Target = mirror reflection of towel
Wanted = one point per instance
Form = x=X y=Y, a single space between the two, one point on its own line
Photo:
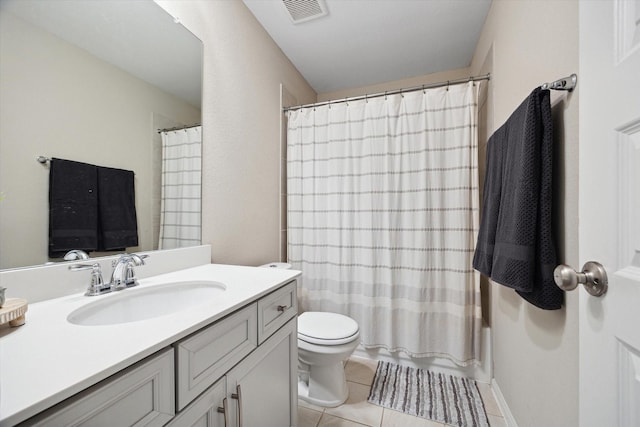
x=90 y=208
x=73 y=207
x=118 y=227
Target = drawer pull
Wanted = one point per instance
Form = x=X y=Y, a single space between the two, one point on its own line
x=238 y=396
x=282 y=308
x=224 y=410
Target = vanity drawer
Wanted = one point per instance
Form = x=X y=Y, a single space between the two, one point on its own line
x=142 y=395
x=275 y=309
x=204 y=357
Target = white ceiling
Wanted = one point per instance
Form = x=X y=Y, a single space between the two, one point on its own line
x=137 y=36
x=363 y=42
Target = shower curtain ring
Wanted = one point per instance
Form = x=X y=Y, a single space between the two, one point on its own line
x=424 y=92
x=447 y=84
x=385 y=95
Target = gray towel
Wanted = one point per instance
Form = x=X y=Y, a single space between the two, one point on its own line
x=515 y=243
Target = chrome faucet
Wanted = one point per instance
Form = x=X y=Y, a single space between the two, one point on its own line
x=123 y=275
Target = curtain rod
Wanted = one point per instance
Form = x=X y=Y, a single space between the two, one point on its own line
x=393 y=92
x=177 y=128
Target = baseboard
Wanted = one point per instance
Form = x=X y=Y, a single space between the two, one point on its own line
x=504 y=408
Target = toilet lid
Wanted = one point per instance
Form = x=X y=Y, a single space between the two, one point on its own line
x=326 y=328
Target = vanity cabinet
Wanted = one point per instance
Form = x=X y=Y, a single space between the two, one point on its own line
x=240 y=371
x=261 y=390
x=142 y=394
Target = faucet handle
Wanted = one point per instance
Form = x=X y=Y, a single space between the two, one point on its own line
x=130 y=275
x=138 y=259
x=97 y=285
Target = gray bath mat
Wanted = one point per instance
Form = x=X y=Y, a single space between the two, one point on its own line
x=439 y=397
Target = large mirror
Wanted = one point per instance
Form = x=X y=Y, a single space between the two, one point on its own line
x=89 y=81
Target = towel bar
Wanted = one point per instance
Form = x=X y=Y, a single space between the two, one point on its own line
x=565 y=83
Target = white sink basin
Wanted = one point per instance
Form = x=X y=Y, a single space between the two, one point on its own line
x=132 y=305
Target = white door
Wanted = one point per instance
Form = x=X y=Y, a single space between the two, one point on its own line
x=609 y=145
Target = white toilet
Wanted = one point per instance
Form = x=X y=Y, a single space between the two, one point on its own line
x=325 y=341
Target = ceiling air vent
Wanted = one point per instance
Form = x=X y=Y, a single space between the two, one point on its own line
x=305 y=10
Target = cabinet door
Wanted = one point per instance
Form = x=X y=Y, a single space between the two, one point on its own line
x=203 y=412
x=141 y=395
x=263 y=387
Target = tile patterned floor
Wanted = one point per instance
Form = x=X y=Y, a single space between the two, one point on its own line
x=357 y=412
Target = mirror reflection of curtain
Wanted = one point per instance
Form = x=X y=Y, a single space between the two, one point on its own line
x=180 y=211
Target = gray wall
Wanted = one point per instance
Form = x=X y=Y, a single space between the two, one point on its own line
x=524 y=44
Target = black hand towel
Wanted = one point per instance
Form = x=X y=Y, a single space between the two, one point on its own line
x=73 y=207
x=515 y=244
x=117 y=210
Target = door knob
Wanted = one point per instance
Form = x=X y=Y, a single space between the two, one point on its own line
x=593 y=276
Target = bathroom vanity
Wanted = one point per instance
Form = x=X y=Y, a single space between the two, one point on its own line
x=227 y=360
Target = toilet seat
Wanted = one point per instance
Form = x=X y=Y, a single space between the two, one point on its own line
x=328 y=329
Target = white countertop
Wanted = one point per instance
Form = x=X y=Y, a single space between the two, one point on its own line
x=49 y=359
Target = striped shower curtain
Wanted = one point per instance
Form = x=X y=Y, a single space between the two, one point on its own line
x=180 y=209
x=382 y=200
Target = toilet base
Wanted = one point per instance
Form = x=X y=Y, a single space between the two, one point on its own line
x=323 y=385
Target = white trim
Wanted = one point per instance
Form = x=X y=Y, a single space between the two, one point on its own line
x=502 y=403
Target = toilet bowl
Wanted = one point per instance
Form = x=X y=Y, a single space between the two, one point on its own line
x=325 y=341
